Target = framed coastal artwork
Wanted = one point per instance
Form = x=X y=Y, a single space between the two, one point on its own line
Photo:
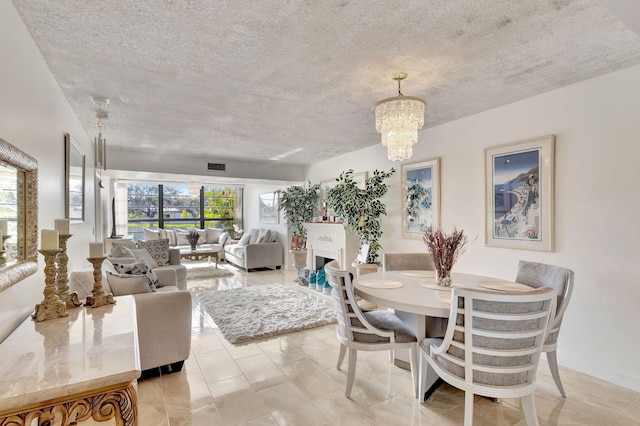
x=519 y=195
x=269 y=207
x=420 y=198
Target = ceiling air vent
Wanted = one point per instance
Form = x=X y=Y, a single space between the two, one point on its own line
x=219 y=167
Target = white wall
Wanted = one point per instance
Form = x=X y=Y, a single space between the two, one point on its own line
x=34 y=117
x=597 y=128
x=252 y=218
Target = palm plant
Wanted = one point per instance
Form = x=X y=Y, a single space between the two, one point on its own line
x=360 y=208
x=298 y=204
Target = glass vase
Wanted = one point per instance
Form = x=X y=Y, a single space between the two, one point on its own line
x=443 y=277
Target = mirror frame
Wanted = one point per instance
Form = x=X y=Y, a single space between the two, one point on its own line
x=70 y=144
x=27 y=216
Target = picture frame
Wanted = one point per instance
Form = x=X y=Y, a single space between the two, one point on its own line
x=360 y=179
x=420 y=198
x=519 y=195
x=268 y=207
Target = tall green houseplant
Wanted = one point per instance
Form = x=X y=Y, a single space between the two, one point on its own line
x=360 y=208
x=298 y=204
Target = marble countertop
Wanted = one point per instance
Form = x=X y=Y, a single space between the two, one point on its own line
x=92 y=348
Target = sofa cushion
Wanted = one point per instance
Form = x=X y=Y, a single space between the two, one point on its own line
x=168 y=288
x=223 y=238
x=117 y=248
x=158 y=249
x=181 y=238
x=246 y=238
x=122 y=285
x=151 y=234
x=213 y=235
x=254 y=236
x=236 y=250
x=171 y=235
x=264 y=236
x=143 y=255
x=140 y=268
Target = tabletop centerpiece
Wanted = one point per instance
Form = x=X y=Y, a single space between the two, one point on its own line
x=193 y=238
x=445 y=249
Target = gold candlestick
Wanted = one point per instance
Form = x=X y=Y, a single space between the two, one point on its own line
x=70 y=299
x=99 y=298
x=51 y=307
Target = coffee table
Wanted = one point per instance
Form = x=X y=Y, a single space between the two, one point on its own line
x=201 y=253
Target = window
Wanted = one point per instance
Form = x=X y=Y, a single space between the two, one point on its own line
x=179 y=206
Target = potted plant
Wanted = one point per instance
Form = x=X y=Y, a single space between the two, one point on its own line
x=298 y=204
x=361 y=209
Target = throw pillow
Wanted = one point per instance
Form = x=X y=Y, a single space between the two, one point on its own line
x=128 y=284
x=118 y=248
x=213 y=235
x=171 y=235
x=264 y=236
x=151 y=234
x=202 y=233
x=254 y=236
x=246 y=238
x=162 y=233
x=140 y=268
x=158 y=249
x=223 y=238
x=143 y=255
x=181 y=238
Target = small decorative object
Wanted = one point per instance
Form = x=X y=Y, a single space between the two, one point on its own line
x=519 y=195
x=62 y=279
x=99 y=297
x=51 y=307
x=361 y=208
x=445 y=250
x=193 y=238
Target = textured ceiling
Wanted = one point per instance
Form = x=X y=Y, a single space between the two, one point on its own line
x=256 y=80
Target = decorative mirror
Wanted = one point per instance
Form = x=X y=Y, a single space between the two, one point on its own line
x=19 y=212
x=74 y=182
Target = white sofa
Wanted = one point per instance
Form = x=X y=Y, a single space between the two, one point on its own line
x=256 y=249
x=210 y=238
x=164 y=316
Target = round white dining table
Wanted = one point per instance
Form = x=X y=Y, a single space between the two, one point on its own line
x=417 y=300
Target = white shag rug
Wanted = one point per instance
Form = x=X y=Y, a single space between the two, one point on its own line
x=255 y=313
x=205 y=272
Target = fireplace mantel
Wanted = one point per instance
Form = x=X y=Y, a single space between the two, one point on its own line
x=331 y=240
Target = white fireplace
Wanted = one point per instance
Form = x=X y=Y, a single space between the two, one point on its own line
x=331 y=241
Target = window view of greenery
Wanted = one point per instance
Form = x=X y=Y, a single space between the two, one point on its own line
x=182 y=207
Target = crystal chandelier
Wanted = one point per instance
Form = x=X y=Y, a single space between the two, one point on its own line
x=398 y=119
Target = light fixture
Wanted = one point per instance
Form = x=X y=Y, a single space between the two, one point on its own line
x=398 y=119
x=100 y=141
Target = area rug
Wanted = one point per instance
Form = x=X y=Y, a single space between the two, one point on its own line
x=206 y=272
x=247 y=314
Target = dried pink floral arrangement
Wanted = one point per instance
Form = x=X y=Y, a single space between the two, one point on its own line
x=445 y=250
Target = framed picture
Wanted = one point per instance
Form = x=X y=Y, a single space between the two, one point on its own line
x=269 y=208
x=420 y=198
x=519 y=195
x=325 y=185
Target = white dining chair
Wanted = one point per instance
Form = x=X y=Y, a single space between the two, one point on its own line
x=492 y=346
x=366 y=331
x=561 y=279
x=407 y=261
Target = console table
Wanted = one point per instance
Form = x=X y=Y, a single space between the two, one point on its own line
x=71 y=369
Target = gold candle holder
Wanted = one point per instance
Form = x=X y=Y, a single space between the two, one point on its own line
x=99 y=298
x=70 y=299
x=51 y=307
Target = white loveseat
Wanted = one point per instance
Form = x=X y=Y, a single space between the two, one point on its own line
x=258 y=248
x=164 y=315
x=210 y=238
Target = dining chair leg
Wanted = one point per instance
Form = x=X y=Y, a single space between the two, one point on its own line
x=353 y=357
x=392 y=355
x=343 y=352
x=427 y=375
x=529 y=409
x=552 y=360
x=468 y=408
x=413 y=360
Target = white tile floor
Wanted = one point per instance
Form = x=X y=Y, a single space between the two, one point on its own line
x=292 y=380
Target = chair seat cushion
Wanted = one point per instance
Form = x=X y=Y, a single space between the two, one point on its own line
x=388 y=321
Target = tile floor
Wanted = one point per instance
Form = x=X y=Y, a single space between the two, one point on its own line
x=292 y=380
